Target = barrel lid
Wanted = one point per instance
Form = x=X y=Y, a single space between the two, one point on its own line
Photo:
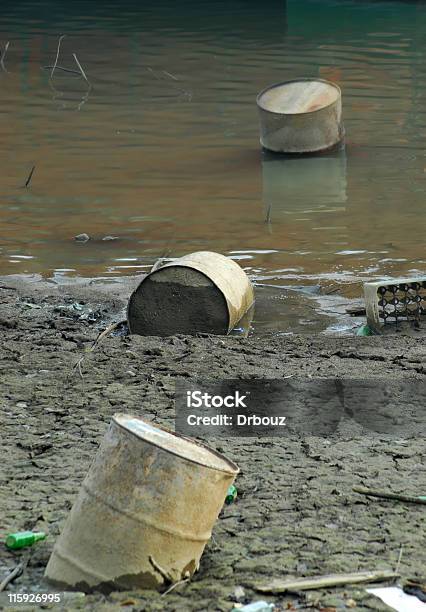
x=299 y=96
x=174 y=443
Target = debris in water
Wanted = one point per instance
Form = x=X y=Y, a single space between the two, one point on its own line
x=107 y=238
x=57 y=55
x=82 y=237
x=3 y=55
x=30 y=176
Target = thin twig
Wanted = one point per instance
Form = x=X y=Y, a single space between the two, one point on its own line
x=11 y=576
x=6 y=47
x=172 y=76
x=15 y=573
x=100 y=337
x=268 y=213
x=30 y=176
x=321 y=582
x=81 y=70
x=78 y=364
x=412 y=499
x=61 y=68
x=151 y=70
x=399 y=559
x=57 y=54
x=158 y=263
x=174 y=586
x=159 y=569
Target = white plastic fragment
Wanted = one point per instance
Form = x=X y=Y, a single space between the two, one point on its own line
x=255 y=606
x=396 y=599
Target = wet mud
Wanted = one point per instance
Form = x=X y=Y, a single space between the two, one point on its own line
x=295 y=514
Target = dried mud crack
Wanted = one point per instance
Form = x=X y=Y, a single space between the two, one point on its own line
x=296 y=514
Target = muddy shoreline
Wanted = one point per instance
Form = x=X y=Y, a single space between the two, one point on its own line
x=296 y=514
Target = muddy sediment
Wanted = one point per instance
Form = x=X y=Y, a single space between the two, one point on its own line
x=295 y=515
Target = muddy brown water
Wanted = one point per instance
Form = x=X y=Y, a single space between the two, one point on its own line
x=162 y=152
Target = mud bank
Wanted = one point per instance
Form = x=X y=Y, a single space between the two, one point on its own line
x=296 y=514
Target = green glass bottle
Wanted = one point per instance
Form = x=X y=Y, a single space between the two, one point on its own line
x=23 y=538
x=231 y=495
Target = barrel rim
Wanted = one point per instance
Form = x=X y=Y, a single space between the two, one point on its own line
x=312 y=79
x=233 y=471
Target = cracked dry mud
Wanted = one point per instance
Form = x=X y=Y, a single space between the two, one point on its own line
x=295 y=515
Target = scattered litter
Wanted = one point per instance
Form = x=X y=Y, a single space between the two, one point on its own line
x=394 y=301
x=364 y=330
x=231 y=495
x=412 y=499
x=107 y=238
x=82 y=237
x=21 y=539
x=320 y=582
x=398 y=600
x=256 y=606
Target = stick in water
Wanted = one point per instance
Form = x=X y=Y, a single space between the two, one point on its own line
x=57 y=54
x=62 y=68
x=6 y=47
x=81 y=70
x=28 y=181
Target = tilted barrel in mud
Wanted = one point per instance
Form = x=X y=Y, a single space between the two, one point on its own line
x=300 y=116
x=202 y=292
x=144 y=512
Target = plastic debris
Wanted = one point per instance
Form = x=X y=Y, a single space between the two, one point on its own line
x=255 y=606
x=231 y=495
x=21 y=539
x=364 y=330
x=82 y=237
x=395 y=598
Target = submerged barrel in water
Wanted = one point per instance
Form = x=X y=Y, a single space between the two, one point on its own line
x=300 y=116
x=144 y=512
x=200 y=293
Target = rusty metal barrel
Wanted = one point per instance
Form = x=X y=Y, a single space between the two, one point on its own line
x=300 y=116
x=201 y=292
x=144 y=512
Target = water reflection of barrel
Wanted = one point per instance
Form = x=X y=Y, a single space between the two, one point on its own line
x=293 y=184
